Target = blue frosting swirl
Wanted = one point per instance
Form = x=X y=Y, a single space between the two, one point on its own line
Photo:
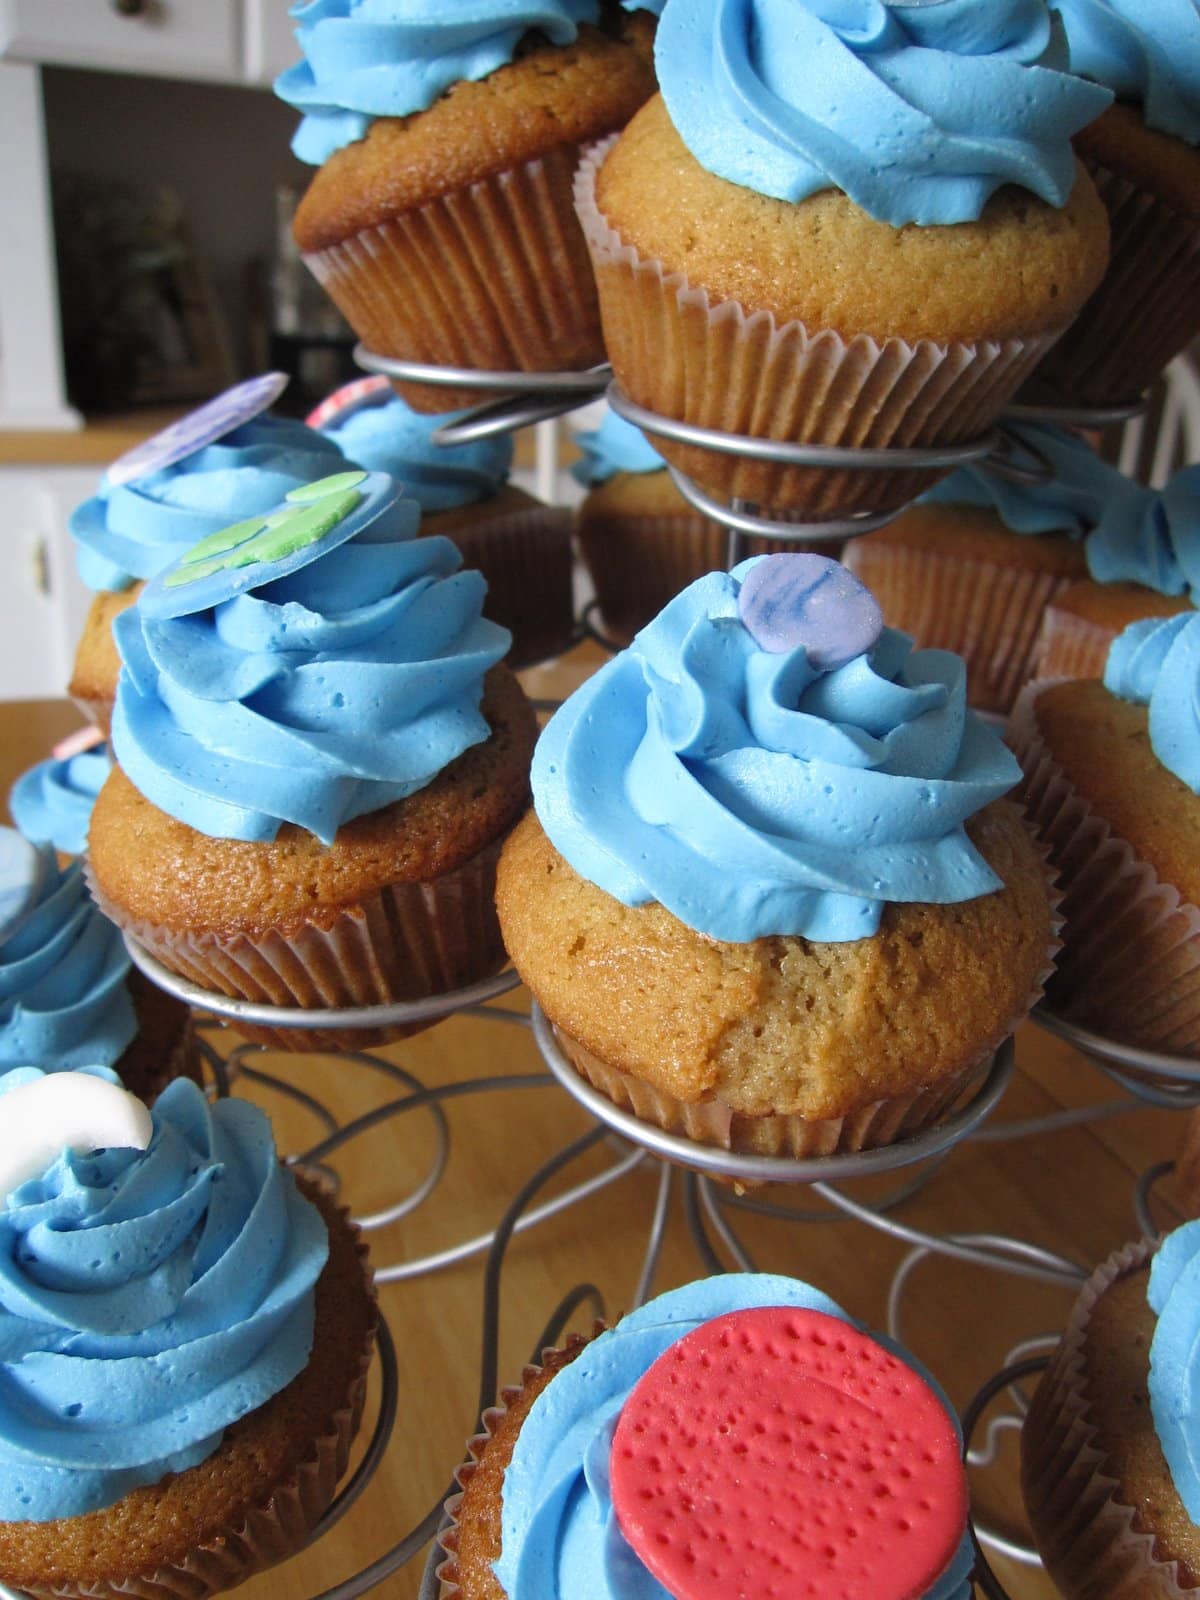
x=918 y=112
x=52 y=802
x=615 y=446
x=1174 y=1294
x=1149 y=537
x=148 y=1299
x=64 y=1002
x=365 y=59
x=1082 y=493
x=559 y=1534
x=313 y=699
x=1143 y=50
x=384 y=434
x=1156 y=663
x=751 y=794
x=134 y=530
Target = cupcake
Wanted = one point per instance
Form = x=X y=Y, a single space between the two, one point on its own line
x=1108 y=1452
x=974 y=564
x=440 y=220
x=1144 y=561
x=741 y=1435
x=134 y=526
x=52 y=802
x=522 y=547
x=185 y=1329
x=319 y=756
x=830 y=256
x=1112 y=783
x=1144 y=156
x=70 y=998
x=770 y=898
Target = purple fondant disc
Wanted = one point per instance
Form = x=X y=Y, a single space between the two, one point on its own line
x=199 y=428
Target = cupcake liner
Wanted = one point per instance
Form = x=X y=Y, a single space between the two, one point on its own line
x=717 y=366
x=1086 y=1535
x=986 y=612
x=494 y=276
x=270 y=1532
x=1147 y=308
x=1130 y=964
x=526 y=558
x=1071 y=647
x=406 y=941
x=98 y=711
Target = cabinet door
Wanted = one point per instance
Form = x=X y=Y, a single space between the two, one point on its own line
x=270 y=40
x=44 y=602
x=172 y=38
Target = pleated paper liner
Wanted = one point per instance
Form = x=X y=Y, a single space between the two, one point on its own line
x=164 y=1047
x=514 y=1404
x=407 y=941
x=281 y=1525
x=494 y=276
x=1071 y=647
x=1130 y=963
x=988 y=613
x=718 y=366
x=1088 y=1537
x=1147 y=308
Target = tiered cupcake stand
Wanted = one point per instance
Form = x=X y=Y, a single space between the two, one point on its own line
x=715 y=1189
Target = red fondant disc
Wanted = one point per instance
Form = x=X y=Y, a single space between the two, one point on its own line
x=782 y=1454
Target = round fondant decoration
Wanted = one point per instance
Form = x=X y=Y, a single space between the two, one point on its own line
x=787 y=601
x=783 y=1454
x=312 y=520
x=22 y=868
x=65 y=1111
x=202 y=427
x=350 y=397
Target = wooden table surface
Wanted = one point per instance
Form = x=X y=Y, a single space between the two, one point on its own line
x=1069 y=1191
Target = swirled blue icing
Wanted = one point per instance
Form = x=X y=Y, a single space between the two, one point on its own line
x=1156 y=663
x=1174 y=1295
x=1151 y=537
x=615 y=446
x=751 y=794
x=313 y=699
x=148 y=1299
x=1081 y=493
x=1143 y=50
x=386 y=435
x=918 y=112
x=559 y=1536
x=52 y=802
x=365 y=59
x=134 y=530
x=64 y=1002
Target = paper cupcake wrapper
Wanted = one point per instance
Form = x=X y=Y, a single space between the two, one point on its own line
x=1085 y=1533
x=494 y=276
x=1130 y=964
x=407 y=941
x=1071 y=647
x=986 y=612
x=527 y=560
x=98 y=711
x=1147 y=308
x=182 y=1060
x=718 y=366
x=270 y=1532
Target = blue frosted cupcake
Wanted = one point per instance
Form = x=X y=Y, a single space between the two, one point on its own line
x=52 y=802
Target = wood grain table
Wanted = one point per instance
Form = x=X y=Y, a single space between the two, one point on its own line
x=1070 y=1192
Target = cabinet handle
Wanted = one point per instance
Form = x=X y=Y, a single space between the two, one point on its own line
x=128 y=8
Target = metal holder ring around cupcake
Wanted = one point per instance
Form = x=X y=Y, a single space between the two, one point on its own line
x=1160 y=1079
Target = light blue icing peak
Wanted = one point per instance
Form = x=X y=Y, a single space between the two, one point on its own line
x=615 y=446
x=1174 y=1294
x=386 y=435
x=1156 y=663
x=148 y=1299
x=918 y=112
x=52 y=802
x=1151 y=538
x=751 y=794
x=365 y=59
x=134 y=530
x=64 y=1002
x=559 y=1534
x=1147 y=51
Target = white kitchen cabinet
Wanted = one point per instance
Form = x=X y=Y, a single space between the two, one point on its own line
x=44 y=601
x=168 y=38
